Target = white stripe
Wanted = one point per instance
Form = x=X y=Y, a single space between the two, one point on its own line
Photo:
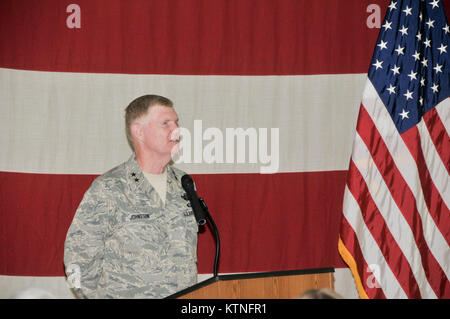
x=40 y=287
x=408 y=168
x=433 y=161
x=22 y=287
x=371 y=251
x=344 y=284
x=443 y=110
x=13 y=286
x=73 y=123
x=392 y=215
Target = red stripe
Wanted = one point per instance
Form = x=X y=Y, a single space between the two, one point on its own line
x=436 y=206
x=350 y=241
x=190 y=36
x=439 y=136
x=35 y=214
x=266 y=222
x=375 y=222
x=403 y=197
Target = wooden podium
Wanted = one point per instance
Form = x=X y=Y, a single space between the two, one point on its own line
x=266 y=285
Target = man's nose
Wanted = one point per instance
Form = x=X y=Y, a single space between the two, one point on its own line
x=175 y=134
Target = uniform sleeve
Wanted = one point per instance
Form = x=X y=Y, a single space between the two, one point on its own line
x=85 y=242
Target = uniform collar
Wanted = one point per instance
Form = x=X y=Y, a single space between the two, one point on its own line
x=137 y=180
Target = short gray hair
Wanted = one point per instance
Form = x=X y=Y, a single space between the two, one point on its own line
x=139 y=107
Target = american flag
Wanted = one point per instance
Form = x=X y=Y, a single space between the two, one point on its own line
x=395 y=231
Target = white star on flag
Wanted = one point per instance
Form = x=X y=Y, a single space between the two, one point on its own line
x=393 y=6
x=404 y=114
x=407 y=11
x=378 y=64
x=442 y=48
x=446 y=29
x=424 y=63
x=412 y=75
x=391 y=89
x=408 y=95
x=435 y=88
x=434 y=4
x=438 y=68
x=404 y=31
x=399 y=50
x=387 y=25
x=396 y=70
x=382 y=45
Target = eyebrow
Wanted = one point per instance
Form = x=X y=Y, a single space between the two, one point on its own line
x=169 y=120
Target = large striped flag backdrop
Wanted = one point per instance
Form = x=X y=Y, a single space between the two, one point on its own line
x=395 y=234
x=288 y=73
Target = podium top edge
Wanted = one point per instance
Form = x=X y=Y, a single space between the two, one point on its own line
x=275 y=273
x=253 y=275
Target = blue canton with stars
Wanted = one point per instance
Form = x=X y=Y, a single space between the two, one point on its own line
x=410 y=65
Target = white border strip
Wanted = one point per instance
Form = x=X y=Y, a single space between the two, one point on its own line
x=72 y=123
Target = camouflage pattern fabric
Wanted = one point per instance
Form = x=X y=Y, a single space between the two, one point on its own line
x=126 y=243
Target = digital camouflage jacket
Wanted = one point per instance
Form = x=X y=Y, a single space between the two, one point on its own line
x=125 y=243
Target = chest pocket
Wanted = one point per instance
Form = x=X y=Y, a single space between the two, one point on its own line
x=140 y=234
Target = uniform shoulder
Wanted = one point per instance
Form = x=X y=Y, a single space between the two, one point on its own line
x=109 y=179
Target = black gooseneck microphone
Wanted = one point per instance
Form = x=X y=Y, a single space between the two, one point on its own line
x=201 y=213
x=188 y=186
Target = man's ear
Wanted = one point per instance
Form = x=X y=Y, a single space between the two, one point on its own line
x=136 y=131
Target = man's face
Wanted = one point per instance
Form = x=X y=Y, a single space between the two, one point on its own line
x=158 y=131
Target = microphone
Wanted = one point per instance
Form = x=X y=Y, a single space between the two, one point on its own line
x=201 y=213
x=188 y=186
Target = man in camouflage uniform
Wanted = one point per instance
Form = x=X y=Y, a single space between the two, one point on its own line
x=128 y=240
